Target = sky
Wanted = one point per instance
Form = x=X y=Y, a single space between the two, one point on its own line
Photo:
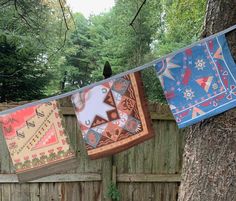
x=88 y=7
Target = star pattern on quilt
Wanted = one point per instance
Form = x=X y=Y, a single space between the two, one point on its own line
x=167 y=68
x=200 y=64
x=201 y=83
x=117 y=118
x=215 y=86
x=189 y=94
x=105 y=117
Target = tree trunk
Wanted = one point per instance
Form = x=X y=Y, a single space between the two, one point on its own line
x=209 y=169
x=63 y=82
x=2 y=91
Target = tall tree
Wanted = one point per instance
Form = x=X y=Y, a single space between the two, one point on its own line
x=78 y=69
x=22 y=74
x=109 y=37
x=209 y=168
x=32 y=35
x=180 y=23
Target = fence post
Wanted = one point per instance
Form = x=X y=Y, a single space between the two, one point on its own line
x=107 y=162
x=114 y=176
x=106 y=177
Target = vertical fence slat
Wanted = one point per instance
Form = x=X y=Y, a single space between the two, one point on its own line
x=162 y=154
x=34 y=192
x=6 y=192
x=4 y=154
x=106 y=177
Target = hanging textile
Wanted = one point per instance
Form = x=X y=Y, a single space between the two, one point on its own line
x=37 y=141
x=199 y=82
x=113 y=116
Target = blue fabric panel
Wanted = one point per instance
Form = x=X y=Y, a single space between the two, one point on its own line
x=199 y=82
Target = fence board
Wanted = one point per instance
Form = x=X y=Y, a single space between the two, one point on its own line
x=16 y=189
x=4 y=155
x=44 y=191
x=24 y=193
x=6 y=192
x=148 y=178
x=34 y=192
x=12 y=178
x=147 y=172
x=148 y=191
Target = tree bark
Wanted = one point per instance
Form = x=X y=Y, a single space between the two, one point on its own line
x=209 y=167
x=2 y=91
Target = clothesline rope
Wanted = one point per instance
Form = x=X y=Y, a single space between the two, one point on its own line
x=147 y=65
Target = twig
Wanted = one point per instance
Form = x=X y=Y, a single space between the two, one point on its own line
x=22 y=16
x=27 y=14
x=16 y=4
x=63 y=13
x=58 y=49
x=71 y=15
x=65 y=35
x=4 y=3
x=131 y=23
x=133 y=28
x=17 y=71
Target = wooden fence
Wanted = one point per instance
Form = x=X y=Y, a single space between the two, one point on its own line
x=147 y=172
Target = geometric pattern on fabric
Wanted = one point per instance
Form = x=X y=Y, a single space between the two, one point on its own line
x=199 y=82
x=113 y=116
x=49 y=138
x=36 y=139
x=205 y=82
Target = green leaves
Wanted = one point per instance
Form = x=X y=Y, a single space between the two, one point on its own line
x=113 y=192
x=38 y=57
x=29 y=35
x=182 y=22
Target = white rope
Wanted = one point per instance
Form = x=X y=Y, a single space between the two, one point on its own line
x=147 y=65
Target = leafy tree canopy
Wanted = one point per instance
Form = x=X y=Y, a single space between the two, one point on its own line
x=44 y=50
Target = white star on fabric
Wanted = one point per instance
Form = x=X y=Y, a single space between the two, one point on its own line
x=179 y=89
x=200 y=64
x=189 y=94
x=167 y=72
x=94 y=105
x=215 y=86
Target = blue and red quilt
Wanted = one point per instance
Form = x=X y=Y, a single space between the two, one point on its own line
x=199 y=82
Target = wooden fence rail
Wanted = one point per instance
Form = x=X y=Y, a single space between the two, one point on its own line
x=88 y=177
x=147 y=172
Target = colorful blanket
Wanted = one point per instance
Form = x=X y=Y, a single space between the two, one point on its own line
x=37 y=141
x=113 y=116
x=199 y=82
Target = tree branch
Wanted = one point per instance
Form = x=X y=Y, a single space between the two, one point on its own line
x=5 y=4
x=136 y=15
x=63 y=13
x=22 y=16
x=27 y=13
x=71 y=15
x=18 y=6
x=17 y=71
x=60 y=48
x=65 y=34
